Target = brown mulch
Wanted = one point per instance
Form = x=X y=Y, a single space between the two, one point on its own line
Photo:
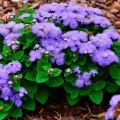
x=61 y=110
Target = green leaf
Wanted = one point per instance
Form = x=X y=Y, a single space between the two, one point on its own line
x=17 y=55
x=72 y=101
x=70 y=78
x=98 y=85
x=68 y=87
x=116 y=47
x=31 y=88
x=75 y=93
x=112 y=87
x=117 y=81
x=16 y=85
x=56 y=72
x=96 y=96
x=1 y=43
x=41 y=79
x=55 y=82
x=42 y=63
x=46 y=68
x=15 y=112
x=30 y=75
x=75 y=57
x=43 y=73
x=42 y=95
x=1 y=103
x=6 y=50
x=85 y=91
x=81 y=60
x=115 y=71
x=7 y=106
x=29 y=104
x=3 y=115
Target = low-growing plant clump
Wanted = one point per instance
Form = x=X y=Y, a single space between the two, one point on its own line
x=59 y=45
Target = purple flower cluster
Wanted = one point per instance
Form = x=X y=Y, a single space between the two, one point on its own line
x=71 y=15
x=104 y=57
x=10 y=33
x=84 y=79
x=6 y=90
x=115 y=100
x=24 y=15
x=52 y=40
x=36 y=53
x=46 y=30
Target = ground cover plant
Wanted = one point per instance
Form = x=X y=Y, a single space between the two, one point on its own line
x=59 y=46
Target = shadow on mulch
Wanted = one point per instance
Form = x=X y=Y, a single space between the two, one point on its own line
x=60 y=110
x=57 y=108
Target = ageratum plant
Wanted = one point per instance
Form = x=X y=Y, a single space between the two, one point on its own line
x=57 y=46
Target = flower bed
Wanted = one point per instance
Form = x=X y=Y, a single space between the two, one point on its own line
x=57 y=46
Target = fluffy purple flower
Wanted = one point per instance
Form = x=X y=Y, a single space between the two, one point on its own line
x=100 y=20
x=112 y=33
x=115 y=100
x=79 y=82
x=91 y=10
x=24 y=15
x=93 y=72
x=17 y=27
x=118 y=117
x=86 y=48
x=13 y=67
x=70 y=19
x=18 y=102
x=101 y=41
x=104 y=57
x=73 y=39
x=109 y=114
x=77 y=70
x=59 y=58
x=3 y=31
x=25 y=1
x=113 y=103
x=36 y=54
x=22 y=92
x=7 y=92
x=11 y=39
x=3 y=74
x=16 y=99
x=76 y=36
x=85 y=78
x=70 y=15
x=10 y=25
x=46 y=30
x=1 y=57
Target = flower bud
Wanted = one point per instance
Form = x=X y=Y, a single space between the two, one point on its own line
x=1 y=108
x=16 y=77
x=50 y=71
x=47 y=53
x=69 y=71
